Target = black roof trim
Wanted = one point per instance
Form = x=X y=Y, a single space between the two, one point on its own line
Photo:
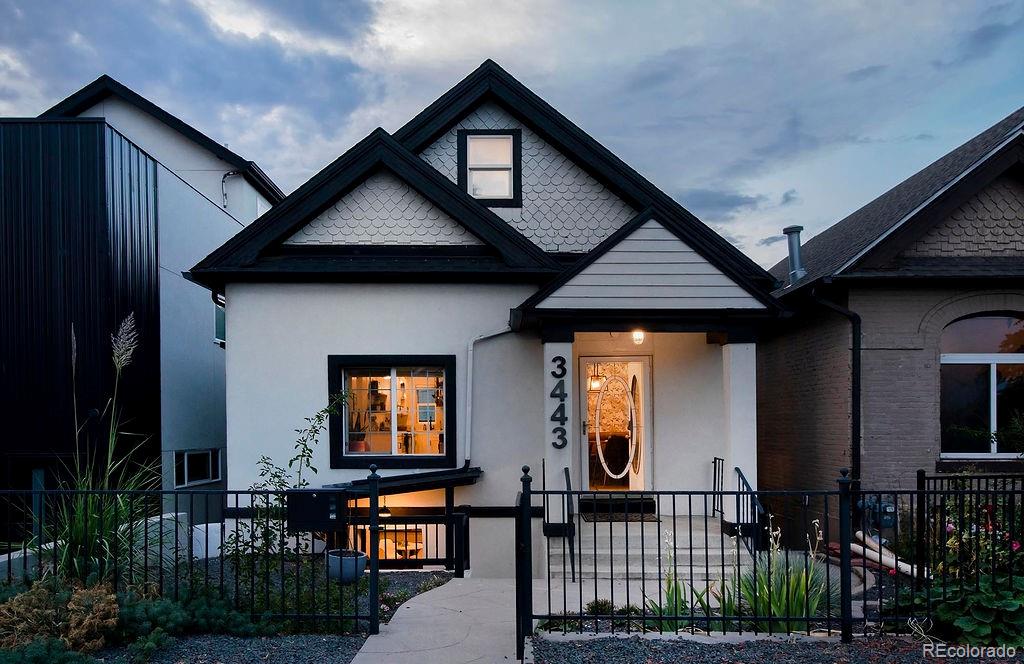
x=671 y=224
x=490 y=82
x=844 y=246
x=105 y=86
x=378 y=150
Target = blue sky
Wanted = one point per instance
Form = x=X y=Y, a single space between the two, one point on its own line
x=754 y=115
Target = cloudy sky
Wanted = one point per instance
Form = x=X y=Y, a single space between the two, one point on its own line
x=754 y=115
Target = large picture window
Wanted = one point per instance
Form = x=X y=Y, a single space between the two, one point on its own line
x=398 y=411
x=982 y=387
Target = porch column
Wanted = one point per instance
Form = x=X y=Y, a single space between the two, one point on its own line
x=739 y=381
x=557 y=413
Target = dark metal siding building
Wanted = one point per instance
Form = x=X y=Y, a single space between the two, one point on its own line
x=78 y=253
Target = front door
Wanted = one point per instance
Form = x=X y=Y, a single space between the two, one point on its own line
x=615 y=409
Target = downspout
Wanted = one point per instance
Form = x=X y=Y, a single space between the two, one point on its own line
x=469 y=388
x=855 y=370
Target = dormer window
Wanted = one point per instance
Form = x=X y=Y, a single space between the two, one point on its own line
x=489 y=166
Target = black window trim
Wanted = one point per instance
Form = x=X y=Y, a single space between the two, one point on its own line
x=336 y=364
x=517 y=165
x=217 y=468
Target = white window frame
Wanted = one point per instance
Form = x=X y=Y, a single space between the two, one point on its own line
x=510 y=167
x=215 y=469
x=394 y=416
x=993 y=360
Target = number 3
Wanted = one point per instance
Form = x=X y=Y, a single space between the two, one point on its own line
x=562 y=440
x=559 y=371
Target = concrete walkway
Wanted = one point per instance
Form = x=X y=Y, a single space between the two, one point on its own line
x=465 y=620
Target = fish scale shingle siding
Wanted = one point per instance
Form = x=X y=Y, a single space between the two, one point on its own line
x=564 y=208
x=383 y=210
x=991 y=223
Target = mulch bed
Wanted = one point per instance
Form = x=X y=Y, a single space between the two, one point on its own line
x=661 y=651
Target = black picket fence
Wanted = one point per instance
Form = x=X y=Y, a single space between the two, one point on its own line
x=307 y=558
x=830 y=562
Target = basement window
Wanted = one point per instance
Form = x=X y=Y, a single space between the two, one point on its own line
x=490 y=165
x=196 y=467
x=982 y=387
x=397 y=411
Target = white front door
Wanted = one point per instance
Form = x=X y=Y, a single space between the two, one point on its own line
x=615 y=414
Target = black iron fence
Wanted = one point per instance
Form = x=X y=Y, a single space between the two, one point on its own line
x=309 y=558
x=830 y=562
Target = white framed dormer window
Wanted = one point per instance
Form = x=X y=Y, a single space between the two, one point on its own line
x=490 y=162
x=196 y=467
x=398 y=411
x=982 y=387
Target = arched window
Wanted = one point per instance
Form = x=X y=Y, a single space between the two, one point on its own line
x=982 y=386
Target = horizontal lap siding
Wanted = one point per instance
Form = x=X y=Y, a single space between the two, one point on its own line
x=652 y=268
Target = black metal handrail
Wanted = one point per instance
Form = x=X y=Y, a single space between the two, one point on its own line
x=750 y=514
x=717 y=484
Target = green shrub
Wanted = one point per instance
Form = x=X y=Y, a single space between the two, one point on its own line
x=44 y=651
x=144 y=647
x=201 y=614
x=599 y=607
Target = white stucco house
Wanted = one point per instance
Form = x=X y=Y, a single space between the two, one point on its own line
x=491 y=287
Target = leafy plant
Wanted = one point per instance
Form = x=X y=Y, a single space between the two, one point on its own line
x=991 y=614
x=666 y=610
x=782 y=586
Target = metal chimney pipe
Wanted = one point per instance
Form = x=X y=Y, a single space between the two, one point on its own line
x=796 y=265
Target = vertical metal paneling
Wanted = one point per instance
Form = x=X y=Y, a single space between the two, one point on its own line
x=58 y=240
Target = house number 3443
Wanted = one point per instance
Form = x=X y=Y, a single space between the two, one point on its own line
x=559 y=395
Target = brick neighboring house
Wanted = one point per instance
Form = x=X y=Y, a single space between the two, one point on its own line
x=934 y=271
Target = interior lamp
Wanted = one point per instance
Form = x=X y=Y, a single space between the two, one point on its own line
x=638 y=337
x=596 y=380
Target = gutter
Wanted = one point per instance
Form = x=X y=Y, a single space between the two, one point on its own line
x=855 y=380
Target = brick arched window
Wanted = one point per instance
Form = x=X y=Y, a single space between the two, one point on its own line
x=982 y=386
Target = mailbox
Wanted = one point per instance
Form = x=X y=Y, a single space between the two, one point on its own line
x=316 y=509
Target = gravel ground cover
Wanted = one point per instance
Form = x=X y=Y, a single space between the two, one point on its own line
x=658 y=651
x=216 y=649
x=397 y=588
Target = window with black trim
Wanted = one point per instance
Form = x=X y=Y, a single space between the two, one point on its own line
x=195 y=467
x=398 y=411
x=490 y=164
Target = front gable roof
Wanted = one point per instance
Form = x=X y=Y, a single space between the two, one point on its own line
x=259 y=248
x=105 y=86
x=490 y=82
x=648 y=264
x=848 y=245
